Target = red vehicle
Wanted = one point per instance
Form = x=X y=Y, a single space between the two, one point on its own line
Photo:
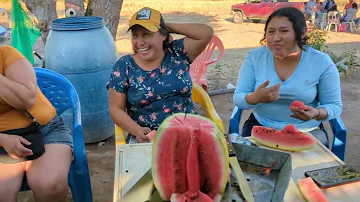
x=258 y=10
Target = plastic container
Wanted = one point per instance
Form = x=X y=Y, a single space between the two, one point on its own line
x=82 y=49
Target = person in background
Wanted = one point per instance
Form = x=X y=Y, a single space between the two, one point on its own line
x=329 y=5
x=285 y=70
x=310 y=9
x=154 y=82
x=319 y=9
x=33 y=138
x=348 y=6
x=351 y=13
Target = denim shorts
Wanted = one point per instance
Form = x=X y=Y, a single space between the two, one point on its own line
x=55 y=132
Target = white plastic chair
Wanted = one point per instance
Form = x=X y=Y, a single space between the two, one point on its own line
x=333 y=18
x=350 y=21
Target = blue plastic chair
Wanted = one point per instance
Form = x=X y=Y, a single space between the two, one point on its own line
x=337 y=127
x=63 y=96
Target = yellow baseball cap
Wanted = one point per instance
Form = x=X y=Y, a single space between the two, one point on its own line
x=148 y=18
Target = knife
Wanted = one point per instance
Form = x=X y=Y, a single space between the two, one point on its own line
x=234 y=163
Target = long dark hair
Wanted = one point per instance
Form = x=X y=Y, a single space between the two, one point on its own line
x=165 y=32
x=297 y=18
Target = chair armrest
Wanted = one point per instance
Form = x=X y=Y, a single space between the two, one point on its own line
x=119 y=136
x=340 y=133
x=79 y=146
x=221 y=54
x=200 y=96
x=235 y=118
x=338 y=129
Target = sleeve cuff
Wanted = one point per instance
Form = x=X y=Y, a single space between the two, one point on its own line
x=240 y=101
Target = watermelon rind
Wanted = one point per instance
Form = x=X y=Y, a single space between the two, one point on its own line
x=218 y=134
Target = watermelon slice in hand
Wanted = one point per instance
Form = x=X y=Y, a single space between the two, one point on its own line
x=298 y=104
x=151 y=135
x=311 y=191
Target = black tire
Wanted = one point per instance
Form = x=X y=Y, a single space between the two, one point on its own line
x=256 y=20
x=238 y=17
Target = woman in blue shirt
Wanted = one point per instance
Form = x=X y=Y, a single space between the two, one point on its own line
x=154 y=82
x=286 y=69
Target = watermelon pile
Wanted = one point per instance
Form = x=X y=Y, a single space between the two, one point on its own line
x=311 y=191
x=289 y=138
x=190 y=159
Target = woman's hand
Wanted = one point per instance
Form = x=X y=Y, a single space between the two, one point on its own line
x=263 y=94
x=12 y=145
x=305 y=114
x=141 y=134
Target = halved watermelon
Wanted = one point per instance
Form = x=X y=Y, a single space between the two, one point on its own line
x=298 y=104
x=311 y=191
x=190 y=159
x=289 y=138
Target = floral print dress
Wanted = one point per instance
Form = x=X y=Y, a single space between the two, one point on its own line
x=154 y=95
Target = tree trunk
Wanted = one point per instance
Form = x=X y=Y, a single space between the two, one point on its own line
x=109 y=10
x=45 y=12
x=74 y=6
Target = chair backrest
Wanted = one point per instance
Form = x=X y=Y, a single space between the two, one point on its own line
x=333 y=17
x=351 y=16
x=58 y=90
x=200 y=64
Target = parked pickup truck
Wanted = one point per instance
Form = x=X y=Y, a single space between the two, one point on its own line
x=258 y=10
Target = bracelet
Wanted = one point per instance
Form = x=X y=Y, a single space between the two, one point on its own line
x=317 y=115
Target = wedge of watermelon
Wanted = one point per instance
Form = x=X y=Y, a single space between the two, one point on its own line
x=311 y=191
x=190 y=160
x=289 y=139
x=298 y=104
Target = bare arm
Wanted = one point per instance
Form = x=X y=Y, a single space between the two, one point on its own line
x=197 y=36
x=118 y=113
x=18 y=86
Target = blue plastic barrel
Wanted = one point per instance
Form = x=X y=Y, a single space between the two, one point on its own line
x=82 y=49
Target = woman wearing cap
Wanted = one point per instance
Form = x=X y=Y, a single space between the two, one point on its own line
x=33 y=138
x=154 y=82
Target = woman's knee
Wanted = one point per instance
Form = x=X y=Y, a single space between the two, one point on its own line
x=49 y=187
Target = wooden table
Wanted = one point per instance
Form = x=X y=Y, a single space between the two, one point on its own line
x=132 y=161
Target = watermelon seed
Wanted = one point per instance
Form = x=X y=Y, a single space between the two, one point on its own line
x=277 y=145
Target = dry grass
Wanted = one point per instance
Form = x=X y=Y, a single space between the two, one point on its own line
x=187 y=6
x=204 y=7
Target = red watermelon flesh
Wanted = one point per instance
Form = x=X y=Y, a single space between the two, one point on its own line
x=298 y=104
x=291 y=129
x=311 y=191
x=189 y=160
x=288 y=139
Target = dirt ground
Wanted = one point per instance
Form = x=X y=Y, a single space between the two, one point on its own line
x=238 y=39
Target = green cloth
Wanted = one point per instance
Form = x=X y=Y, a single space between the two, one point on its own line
x=24 y=32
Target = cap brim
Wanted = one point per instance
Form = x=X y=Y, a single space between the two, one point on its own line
x=149 y=26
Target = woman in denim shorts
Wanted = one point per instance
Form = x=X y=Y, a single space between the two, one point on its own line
x=33 y=138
